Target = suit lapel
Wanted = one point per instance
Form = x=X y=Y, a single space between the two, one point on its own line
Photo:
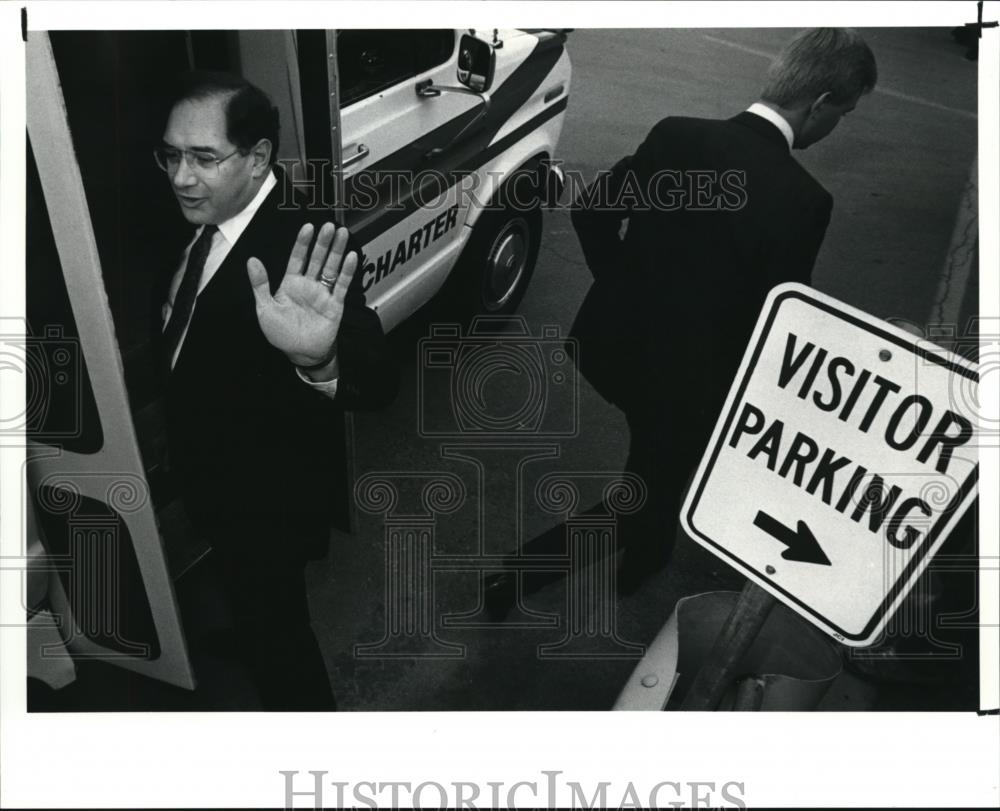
x=167 y=271
x=227 y=298
x=164 y=275
x=249 y=243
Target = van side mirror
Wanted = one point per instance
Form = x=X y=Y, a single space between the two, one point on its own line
x=476 y=62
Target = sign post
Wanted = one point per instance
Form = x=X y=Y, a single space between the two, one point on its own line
x=734 y=640
x=845 y=454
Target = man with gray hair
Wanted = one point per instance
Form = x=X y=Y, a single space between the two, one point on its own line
x=816 y=80
x=752 y=217
x=718 y=212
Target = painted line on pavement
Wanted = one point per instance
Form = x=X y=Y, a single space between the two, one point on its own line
x=960 y=262
x=885 y=91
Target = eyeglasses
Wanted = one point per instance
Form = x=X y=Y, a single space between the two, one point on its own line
x=204 y=163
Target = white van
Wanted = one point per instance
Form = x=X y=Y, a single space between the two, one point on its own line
x=434 y=146
x=435 y=127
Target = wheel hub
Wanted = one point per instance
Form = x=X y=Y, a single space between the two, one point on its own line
x=506 y=263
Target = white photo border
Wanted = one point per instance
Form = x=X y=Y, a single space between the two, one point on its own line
x=218 y=759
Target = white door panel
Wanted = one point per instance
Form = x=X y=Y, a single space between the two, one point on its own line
x=388 y=141
x=408 y=247
x=111 y=477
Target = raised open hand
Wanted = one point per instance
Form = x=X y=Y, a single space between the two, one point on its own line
x=303 y=316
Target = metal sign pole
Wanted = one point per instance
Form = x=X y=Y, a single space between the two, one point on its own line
x=734 y=640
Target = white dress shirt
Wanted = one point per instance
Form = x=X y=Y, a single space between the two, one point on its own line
x=775 y=118
x=223 y=241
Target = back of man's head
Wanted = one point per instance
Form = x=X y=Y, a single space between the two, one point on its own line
x=817 y=61
x=250 y=116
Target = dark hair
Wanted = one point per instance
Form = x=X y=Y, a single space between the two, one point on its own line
x=250 y=115
x=820 y=60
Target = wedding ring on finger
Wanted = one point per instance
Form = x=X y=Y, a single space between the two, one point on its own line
x=327 y=282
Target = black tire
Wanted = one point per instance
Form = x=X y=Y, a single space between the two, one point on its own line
x=495 y=268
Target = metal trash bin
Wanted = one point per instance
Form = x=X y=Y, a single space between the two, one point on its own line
x=792 y=664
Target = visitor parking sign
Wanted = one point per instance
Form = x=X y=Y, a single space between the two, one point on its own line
x=845 y=454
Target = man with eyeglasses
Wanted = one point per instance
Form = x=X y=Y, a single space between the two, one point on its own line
x=264 y=340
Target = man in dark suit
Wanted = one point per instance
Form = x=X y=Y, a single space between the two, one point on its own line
x=261 y=350
x=718 y=212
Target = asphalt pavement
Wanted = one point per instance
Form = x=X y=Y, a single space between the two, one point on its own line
x=896 y=168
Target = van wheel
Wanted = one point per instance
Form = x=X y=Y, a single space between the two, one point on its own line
x=499 y=261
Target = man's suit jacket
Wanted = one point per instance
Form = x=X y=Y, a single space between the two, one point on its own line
x=258 y=453
x=692 y=282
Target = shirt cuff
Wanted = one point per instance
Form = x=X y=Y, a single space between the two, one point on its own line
x=327 y=387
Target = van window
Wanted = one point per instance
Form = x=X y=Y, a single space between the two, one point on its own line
x=60 y=409
x=372 y=60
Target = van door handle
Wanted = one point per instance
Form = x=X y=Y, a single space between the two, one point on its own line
x=362 y=153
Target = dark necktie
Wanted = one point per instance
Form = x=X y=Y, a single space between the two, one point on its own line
x=183 y=305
